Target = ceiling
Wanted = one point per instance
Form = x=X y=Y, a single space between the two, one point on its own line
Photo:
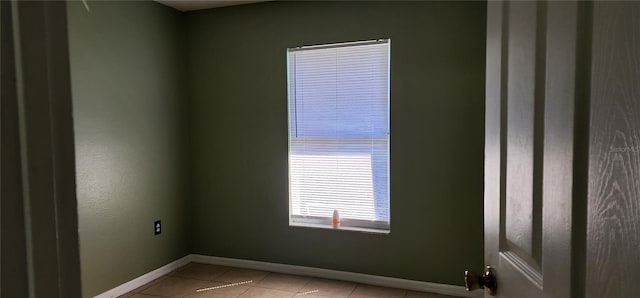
x=203 y=4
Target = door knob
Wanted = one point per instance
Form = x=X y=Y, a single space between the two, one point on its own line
x=487 y=280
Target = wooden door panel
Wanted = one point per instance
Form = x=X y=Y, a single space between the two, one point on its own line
x=521 y=74
x=531 y=54
x=613 y=214
x=561 y=90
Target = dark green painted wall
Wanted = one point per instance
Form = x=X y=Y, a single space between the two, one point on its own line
x=128 y=70
x=238 y=96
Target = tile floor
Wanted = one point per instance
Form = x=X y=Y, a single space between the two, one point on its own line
x=221 y=281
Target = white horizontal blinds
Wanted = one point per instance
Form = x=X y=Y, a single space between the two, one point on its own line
x=339 y=131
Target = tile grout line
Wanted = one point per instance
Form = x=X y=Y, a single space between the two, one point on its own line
x=215 y=279
x=151 y=295
x=353 y=290
x=305 y=284
x=141 y=289
x=245 y=291
x=294 y=292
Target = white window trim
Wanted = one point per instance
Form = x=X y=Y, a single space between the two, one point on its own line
x=346 y=224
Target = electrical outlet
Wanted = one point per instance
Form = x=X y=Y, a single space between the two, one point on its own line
x=157 y=227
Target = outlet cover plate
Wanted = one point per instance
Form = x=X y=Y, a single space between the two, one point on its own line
x=157 y=227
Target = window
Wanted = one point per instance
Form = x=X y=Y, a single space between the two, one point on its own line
x=339 y=135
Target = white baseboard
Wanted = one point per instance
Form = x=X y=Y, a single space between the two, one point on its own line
x=406 y=284
x=145 y=278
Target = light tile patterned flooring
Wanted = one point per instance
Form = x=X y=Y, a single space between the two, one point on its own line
x=184 y=282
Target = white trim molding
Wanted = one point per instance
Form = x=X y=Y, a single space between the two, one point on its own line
x=145 y=278
x=423 y=286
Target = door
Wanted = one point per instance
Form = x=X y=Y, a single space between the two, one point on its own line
x=533 y=83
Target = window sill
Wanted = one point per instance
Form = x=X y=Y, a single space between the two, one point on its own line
x=341 y=228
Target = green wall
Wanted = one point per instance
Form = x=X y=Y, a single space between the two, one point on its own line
x=238 y=104
x=128 y=70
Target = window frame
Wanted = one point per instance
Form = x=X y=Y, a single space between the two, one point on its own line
x=349 y=224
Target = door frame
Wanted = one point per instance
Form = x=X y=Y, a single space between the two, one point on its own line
x=46 y=150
